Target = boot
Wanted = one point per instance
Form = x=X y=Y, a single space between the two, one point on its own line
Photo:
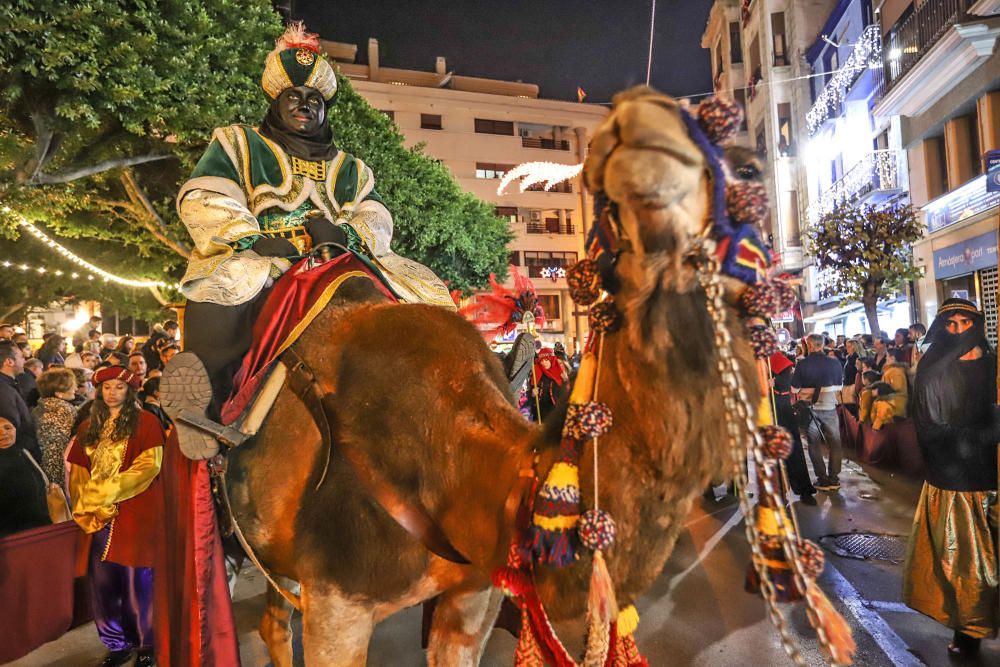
x=963 y=646
x=185 y=385
x=517 y=363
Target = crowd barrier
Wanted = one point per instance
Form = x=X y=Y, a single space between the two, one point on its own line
x=894 y=447
x=39 y=598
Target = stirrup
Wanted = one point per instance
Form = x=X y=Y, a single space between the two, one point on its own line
x=186 y=392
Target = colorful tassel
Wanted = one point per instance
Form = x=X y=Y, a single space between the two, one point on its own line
x=604 y=317
x=597 y=530
x=602 y=609
x=838 y=633
x=557 y=510
x=628 y=620
x=587 y=420
x=812 y=557
x=746 y=202
x=584 y=282
x=777 y=442
x=768 y=298
x=779 y=570
x=763 y=342
x=719 y=118
x=528 y=653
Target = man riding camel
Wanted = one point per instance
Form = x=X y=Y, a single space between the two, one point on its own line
x=260 y=198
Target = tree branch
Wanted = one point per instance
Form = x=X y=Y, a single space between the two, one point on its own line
x=150 y=219
x=107 y=165
x=10 y=310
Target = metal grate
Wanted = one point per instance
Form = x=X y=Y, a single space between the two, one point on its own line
x=988 y=284
x=867 y=546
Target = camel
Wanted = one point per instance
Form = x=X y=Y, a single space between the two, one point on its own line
x=418 y=391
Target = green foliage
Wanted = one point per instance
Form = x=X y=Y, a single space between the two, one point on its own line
x=436 y=222
x=100 y=93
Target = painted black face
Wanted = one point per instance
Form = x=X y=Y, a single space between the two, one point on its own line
x=302 y=110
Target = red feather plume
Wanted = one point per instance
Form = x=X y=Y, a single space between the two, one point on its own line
x=296 y=37
x=500 y=311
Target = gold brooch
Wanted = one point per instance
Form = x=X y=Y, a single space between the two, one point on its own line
x=305 y=57
x=313 y=170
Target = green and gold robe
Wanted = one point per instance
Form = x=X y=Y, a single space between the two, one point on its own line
x=246 y=185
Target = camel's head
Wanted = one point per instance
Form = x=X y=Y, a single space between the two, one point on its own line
x=644 y=160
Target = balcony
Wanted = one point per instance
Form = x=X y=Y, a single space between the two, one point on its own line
x=867 y=54
x=550 y=227
x=539 y=142
x=915 y=34
x=874 y=178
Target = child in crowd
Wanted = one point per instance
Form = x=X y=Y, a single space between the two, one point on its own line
x=869 y=378
x=883 y=410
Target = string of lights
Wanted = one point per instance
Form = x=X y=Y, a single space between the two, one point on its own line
x=867 y=54
x=79 y=261
x=21 y=266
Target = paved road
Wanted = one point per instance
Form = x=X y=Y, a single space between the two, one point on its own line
x=697 y=612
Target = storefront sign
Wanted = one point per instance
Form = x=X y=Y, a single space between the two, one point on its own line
x=993 y=171
x=979 y=252
x=964 y=202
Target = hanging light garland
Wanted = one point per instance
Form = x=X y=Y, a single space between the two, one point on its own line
x=533 y=173
x=867 y=53
x=26 y=268
x=79 y=261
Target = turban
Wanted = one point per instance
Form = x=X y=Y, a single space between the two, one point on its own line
x=118 y=373
x=296 y=61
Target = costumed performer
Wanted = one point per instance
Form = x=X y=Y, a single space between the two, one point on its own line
x=262 y=195
x=951 y=563
x=547 y=380
x=114 y=462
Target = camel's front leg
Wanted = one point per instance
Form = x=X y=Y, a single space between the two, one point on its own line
x=335 y=629
x=276 y=625
x=463 y=620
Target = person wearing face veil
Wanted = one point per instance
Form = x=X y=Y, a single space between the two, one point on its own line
x=951 y=569
x=262 y=196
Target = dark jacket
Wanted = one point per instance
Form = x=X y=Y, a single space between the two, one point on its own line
x=14 y=409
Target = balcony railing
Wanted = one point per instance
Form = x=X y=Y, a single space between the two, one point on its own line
x=876 y=173
x=539 y=142
x=914 y=35
x=867 y=54
x=550 y=228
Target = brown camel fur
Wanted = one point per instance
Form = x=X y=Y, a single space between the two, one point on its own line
x=416 y=387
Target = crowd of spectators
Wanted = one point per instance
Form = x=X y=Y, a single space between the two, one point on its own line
x=46 y=393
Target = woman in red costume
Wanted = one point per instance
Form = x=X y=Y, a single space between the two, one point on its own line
x=547 y=380
x=114 y=461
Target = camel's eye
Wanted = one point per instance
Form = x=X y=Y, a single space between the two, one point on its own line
x=748 y=172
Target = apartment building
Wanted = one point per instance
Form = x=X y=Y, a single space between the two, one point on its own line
x=850 y=156
x=756 y=48
x=480 y=129
x=941 y=77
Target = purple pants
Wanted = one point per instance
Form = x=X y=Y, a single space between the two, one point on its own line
x=122 y=600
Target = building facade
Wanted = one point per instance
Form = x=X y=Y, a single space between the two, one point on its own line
x=482 y=128
x=942 y=80
x=756 y=48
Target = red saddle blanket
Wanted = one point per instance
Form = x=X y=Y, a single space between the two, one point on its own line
x=294 y=302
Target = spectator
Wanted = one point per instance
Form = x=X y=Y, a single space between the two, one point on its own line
x=951 y=563
x=151 y=348
x=852 y=367
x=894 y=374
x=150 y=398
x=26 y=350
x=902 y=349
x=83 y=335
x=54 y=416
x=137 y=364
x=90 y=360
x=867 y=395
x=20 y=338
x=12 y=405
x=798 y=473
x=114 y=462
x=27 y=382
x=917 y=333
x=880 y=346
x=22 y=490
x=51 y=351
x=126 y=344
x=93 y=343
x=883 y=410
x=818 y=380
x=117 y=359
x=108 y=343
x=167 y=353
x=84 y=389
x=6 y=331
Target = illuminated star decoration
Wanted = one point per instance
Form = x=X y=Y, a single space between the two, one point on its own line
x=554 y=272
x=533 y=173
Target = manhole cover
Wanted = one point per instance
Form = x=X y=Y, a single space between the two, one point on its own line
x=865 y=546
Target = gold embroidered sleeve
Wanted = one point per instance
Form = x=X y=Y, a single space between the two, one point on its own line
x=373 y=223
x=91 y=518
x=126 y=484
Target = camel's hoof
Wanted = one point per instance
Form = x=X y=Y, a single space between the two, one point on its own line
x=186 y=386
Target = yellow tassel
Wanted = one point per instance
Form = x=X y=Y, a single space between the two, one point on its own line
x=767 y=521
x=586 y=377
x=764 y=416
x=601 y=610
x=838 y=632
x=628 y=621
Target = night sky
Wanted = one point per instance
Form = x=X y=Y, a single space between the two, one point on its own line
x=557 y=44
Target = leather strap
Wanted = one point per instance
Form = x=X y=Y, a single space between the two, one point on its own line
x=411 y=516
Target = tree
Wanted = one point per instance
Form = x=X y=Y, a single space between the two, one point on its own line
x=865 y=252
x=107 y=105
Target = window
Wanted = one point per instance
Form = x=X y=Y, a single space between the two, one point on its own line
x=550 y=306
x=430 y=121
x=740 y=95
x=509 y=212
x=778 y=39
x=486 y=126
x=735 y=43
x=719 y=65
x=536 y=260
x=390 y=114
x=515 y=258
x=564 y=186
x=492 y=170
x=786 y=145
x=759 y=142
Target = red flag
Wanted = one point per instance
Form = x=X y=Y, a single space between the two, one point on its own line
x=581 y=94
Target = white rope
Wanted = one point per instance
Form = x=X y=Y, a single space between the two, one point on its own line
x=649 y=59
